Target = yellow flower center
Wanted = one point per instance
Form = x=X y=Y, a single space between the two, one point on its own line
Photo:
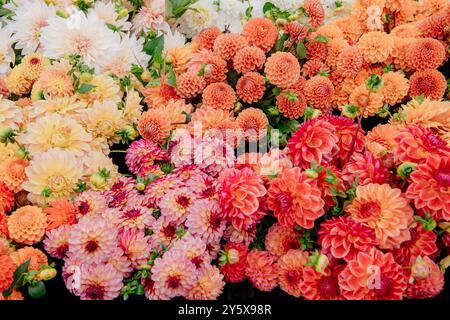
x=57 y=183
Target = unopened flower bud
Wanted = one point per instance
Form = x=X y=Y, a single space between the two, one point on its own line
x=98 y=180
x=86 y=77
x=146 y=76
x=46 y=274
x=405 y=169
x=233 y=256
x=420 y=270
x=122 y=13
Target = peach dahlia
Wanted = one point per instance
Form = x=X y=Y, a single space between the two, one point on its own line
x=27 y=225
x=282 y=69
x=262 y=270
x=290 y=271
x=260 y=32
x=250 y=87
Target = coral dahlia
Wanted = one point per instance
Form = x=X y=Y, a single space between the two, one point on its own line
x=319 y=92
x=249 y=59
x=154 y=125
x=61 y=212
x=290 y=271
x=280 y=239
x=27 y=225
x=262 y=270
x=282 y=69
x=219 y=95
x=260 y=32
x=250 y=87
x=426 y=279
x=429 y=82
x=426 y=53
x=227 y=45
x=7 y=268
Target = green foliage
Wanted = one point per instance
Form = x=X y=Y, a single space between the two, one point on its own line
x=178 y=7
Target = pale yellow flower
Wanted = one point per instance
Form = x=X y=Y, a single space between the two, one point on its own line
x=97 y=163
x=133 y=107
x=104 y=89
x=61 y=105
x=10 y=114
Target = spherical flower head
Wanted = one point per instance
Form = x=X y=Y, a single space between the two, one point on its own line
x=99 y=282
x=249 y=59
x=16 y=81
x=262 y=270
x=7 y=268
x=205 y=38
x=384 y=210
x=213 y=67
x=205 y=221
x=368 y=105
x=282 y=69
x=12 y=173
x=313 y=67
x=416 y=143
x=375 y=46
x=317 y=50
x=27 y=225
x=291 y=103
x=190 y=84
x=61 y=212
x=290 y=271
x=344 y=237
x=6 y=198
x=92 y=239
x=280 y=239
x=240 y=194
x=319 y=91
x=315 y=140
x=250 y=87
x=429 y=82
x=54 y=80
x=253 y=122
x=260 y=32
x=395 y=87
x=174 y=275
x=373 y=275
x=90 y=203
x=56 y=241
x=34 y=64
x=429 y=187
x=227 y=45
x=37 y=258
x=208 y=286
x=154 y=125
x=426 y=53
x=433 y=27
x=219 y=95
x=233 y=262
x=157 y=96
x=135 y=246
x=142 y=154
x=315 y=11
x=426 y=279
x=295 y=199
x=367 y=168
x=349 y=61
x=175 y=204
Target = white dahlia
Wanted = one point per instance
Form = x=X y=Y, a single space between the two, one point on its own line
x=108 y=14
x=10 y=114
x=6 y=51
x=203 y=15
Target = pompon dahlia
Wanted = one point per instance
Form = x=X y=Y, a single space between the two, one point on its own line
x=295 y=199
x=319 y=92
x=250 y=87
x=240 y=196
x=400 y=51
x=385 y=210
x=12 y=173
x=416 y=143
x=430 y=83
x=56 y=241
x=426 y=279
x=280 y=239
x=60 y=212
x=291 y=104
x=260 y=32
x=290 y=271
x=205 y=38
x=316 y=51
x=27 y=225
x=92 y=239
x=154 y=125
x=426 y=53
x=315 y=11
x=395 y=87
x=7 y=268
x=349 y=61
x=208 y=286
x=335 y=47
x=433 y=27
x=227 y=45
x=190 y=84
x=6 y=198
x=205 y=221
x=367 y=168
x=99 y=282
x=214 y=68
x=37 y=257
x=142 y=155
x=376 y=46
x=174 y=275
x=430 y=187
x=344 y=237
x=262 y=270
x=233 y=262
x=313 y=67
x=253 y=123
x=296 y=31
x=315 y=140
x=368 y=107
x=219 y=95
x=321 y=285
x=373 y=275
x=282 y=69
x=249 y=59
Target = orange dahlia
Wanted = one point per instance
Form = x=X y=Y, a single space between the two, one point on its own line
x=319 y=92
x=157 y=96
x=7 y=268
x=260 y=32
x=250 y=87
x=4 y=226
x=290 y=271
x=315 y=11
x=426 y=279
x=219 y=95
x=15 y=295
x=430 y=7
x=190 y=84
x=12 y=173
x=430 y=82
x=407 y=30
x=380 y=141
x=249 y=59
x=368 y=105
x=315 y=140
x=426 y=53
x=61 y=212
x=295 y=30
x=262 y=270
x=291 y=103
x=154 y=125
x=400 y=51
x=395 y=87
x=253 y=122
x=416 y=143
x=312 y=67
x=376 y=46
x=37 y=257
x=233 y=262
x=373 y=275
x=349 y=61
x=295 y=199
x=433 y=27
x=367 y=168
x=27 y=225
x=282 y=69
x=6 y=198
x=430 y=187
x=205 y=38
x=280 y=239
x=214 y=68
x=385 y=210
x=227 y=45
x=316 y=51
x=321 y=285
x=335 y=48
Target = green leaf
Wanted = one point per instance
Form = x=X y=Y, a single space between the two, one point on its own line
x=322 y=39
x=23 y=268
x=179 y=7
x=154 y=48
x=248 y=12
x=171 y=79
x=374 y=83
x=85 y=87
x=300 y=50
x=140 y=290
x=279 y=46
x=37 y=290
x=268 y=6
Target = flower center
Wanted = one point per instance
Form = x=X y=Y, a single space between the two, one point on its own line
x=83 y=207
x=82 y=45
x=169 y=231
x=173 y=282
x=283 y=201
x=442 y=176
x=293 y=276
x=183 y=201
x=385 y=286
x=132 y=213
x=197 y=261
x=432 y=142
x=95 y=292
x=57 y=183
x=327 y=287
x=91 y=246
x=214 y=221
x=369 y=209
x=62 y=250
x=34 y=61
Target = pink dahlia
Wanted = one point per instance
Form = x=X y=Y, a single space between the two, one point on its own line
x=142 y=155
x=426 y=279
x=245 y=236
x=176 y=204
x=136 y=217
x=99 y=282
x=193 y=249
x=120 y=262
x=135 y=246
x=205 y=221
x=56 y=241
x=164 y=232
x=121 y=192
x=281 y=239
x=262 y=270
x=90 y=203
x=367 y=168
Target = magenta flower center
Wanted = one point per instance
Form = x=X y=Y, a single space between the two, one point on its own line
x=431 y=142
x=385 y=286
x=62 y=250
x=95 y=292
x=283 y=201
x=83 y=207
x=132 y=213
x=442 y=176
x=369 y=209
x=327 y=287
x=173 y=282
x=91 y=246
x=183 y=201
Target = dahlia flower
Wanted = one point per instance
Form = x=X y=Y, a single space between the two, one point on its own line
x=219 y=95
x=176 y=204
x=319 y=91
x=280 y=239
x=135 y=246
x=10 y=115
x=7 y=268
x=282 y=69
x=426 y=280
x=99 y=282
x=141 y=156
x=290 y=271
x=208 y=286
x=190 y=84
x=36 y=257
x=426 y=53
x=395 y=87
x=260 y=32
x=149 y=17
x=214 y=68
x=262 y=270
x=6 y=198
x=367 y=168
x=90 y=203
x=206 y=37
x=250 y=87
x=56 y=241
x=205 y=221
x=249 y=59
x=375 y=46
x=291 y=104
x=226 y=45
x=429 y=82
x=27 y=225
x=154 y=125
x=12 y=173
x=253 y=123
x=368 y=104
x=60 y=212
